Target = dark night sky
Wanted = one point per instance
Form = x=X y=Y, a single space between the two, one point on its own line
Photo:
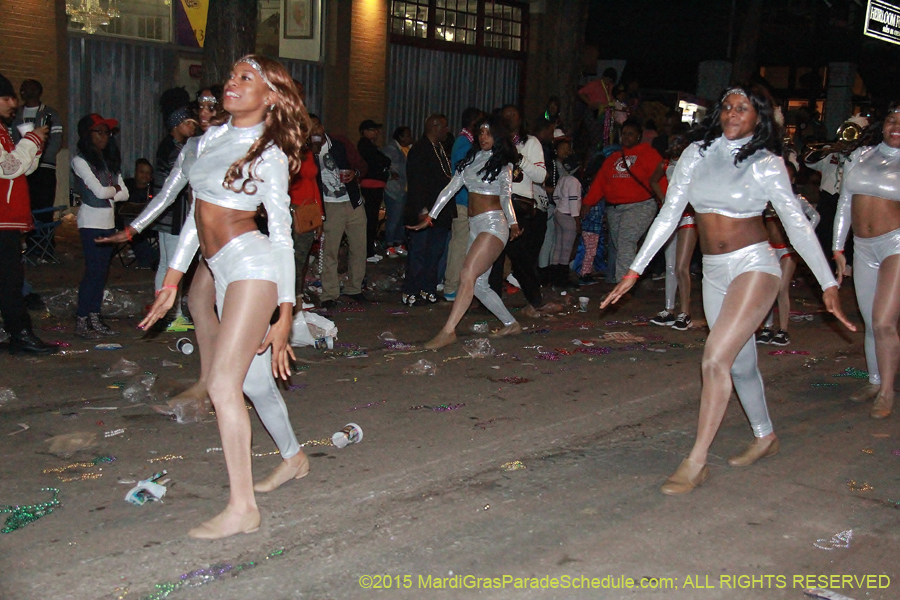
x=664 y=40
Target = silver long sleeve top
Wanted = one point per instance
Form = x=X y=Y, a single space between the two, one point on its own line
x=808 y=209
x=476 y=184
x=217 y=150
x=872 y=171
x=175 y=182
x=712 y=183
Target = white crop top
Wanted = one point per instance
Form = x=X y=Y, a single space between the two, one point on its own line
x=177 y=179
x=711 y=182
x=217 y=150
x=871 y=171
x=476 y=184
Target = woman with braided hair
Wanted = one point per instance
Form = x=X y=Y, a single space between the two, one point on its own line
x=244 y=163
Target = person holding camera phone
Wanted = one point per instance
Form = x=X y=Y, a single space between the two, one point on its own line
x=33 y=113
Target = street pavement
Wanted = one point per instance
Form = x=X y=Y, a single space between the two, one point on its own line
x=497 y=477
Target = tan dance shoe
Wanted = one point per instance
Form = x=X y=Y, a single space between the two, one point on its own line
x=514 y=328
x=757 y=449
x=882 y=408
x=440 y=340
x=686 y=477
x=282 y=474
x=216 y=528
x=865 y=393
x=531 y=312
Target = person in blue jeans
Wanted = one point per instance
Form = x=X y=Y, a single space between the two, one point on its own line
x=97 y=165
x=395 y=191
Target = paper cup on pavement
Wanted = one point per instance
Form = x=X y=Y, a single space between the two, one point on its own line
x=583 y=303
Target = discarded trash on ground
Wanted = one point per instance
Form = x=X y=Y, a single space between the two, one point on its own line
x=140 y=388
x=421 y=367
x=122 y=368
x=480 y=327
x=479 y=348
x=68 y=443
x=20 y=516
x=147 y=490
x=514 y=465
x=350 y=434
x=838 y=540
x=185 y=410
x=308 y=327
x=7 y=395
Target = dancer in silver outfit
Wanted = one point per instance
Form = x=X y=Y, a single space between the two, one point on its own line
x=487 y=173
x=728 y=176
x=870 y=199
x=240 y=165
x=202 y=297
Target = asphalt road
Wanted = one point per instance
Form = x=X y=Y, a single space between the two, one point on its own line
x=426 y=505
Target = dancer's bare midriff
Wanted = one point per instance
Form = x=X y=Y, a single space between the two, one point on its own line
x=482 y=203
x=720 y=234
x=872 y=216
x=216 y=225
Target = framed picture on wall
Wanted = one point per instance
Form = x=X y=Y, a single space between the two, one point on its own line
x=298 y=18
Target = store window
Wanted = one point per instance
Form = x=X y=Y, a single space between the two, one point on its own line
x=142 y=19
x=410 y=18
x=493 y=24
x=502 y=26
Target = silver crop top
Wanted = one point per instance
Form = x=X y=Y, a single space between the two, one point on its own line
x=712 y=183
x=217 y=150
x=872 y=171
x=476 y=184
x=177 y=179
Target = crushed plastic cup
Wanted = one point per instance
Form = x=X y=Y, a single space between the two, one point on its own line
x=583 y=303
x=479 y=348
x=350 y=434
x=185 y=345
x=122 y=368
x=481 y=327
x=7 y=395
x=140 y=389
x=421 y=367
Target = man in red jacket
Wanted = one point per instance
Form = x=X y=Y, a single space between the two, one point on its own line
x=16 y=161
x=624 y=180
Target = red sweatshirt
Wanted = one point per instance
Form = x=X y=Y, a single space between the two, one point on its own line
x=614 y=182
x=17 y=161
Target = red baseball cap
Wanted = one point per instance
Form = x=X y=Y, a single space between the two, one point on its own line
x=98 y=120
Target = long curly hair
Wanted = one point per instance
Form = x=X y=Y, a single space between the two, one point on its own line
x=503 y=153
x=767 y=134
x=874 y=133
x=287 y=126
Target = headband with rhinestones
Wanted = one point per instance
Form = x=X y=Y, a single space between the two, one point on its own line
x=734 y=91
x=259 y=70
x=210 y=99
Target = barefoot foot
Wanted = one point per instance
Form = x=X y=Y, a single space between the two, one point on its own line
x=440 y=340
x=227 y=523
x=295 y=467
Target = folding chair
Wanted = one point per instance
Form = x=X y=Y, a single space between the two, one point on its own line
x=40 y=247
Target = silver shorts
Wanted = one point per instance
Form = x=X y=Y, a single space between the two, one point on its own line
x=492 y=222
x=872 y=251
x=719 y=270
x=248 y=256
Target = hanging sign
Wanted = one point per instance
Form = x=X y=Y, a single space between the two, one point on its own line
x=883 y=21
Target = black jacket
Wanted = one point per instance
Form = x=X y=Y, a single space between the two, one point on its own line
x=173 y=217
x=379 y=164
x=426 y=176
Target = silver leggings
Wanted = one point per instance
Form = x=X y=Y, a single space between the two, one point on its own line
x=248 y=256
x=494 y=223
x=868 y=254
x=719 y=270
